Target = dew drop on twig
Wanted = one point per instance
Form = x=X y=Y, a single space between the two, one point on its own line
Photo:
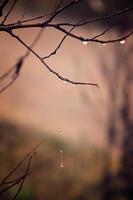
x=84 y=42
x=62 y=165
x=122 y=41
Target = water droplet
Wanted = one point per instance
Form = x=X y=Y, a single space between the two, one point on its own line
x=85 y=42
x=61 y=164
x=61 y=151
x=104 y=44
x=61 y=158
x=122 y=41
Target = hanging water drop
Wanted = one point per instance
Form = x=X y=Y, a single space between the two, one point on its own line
x=104 y=44
x=61 y=165
x=122 y=41
x=85 y=42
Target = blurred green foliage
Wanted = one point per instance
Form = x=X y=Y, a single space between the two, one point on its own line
x=83 y=165
x=84 y=175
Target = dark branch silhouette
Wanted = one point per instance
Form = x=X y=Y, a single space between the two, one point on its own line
x=8 y=183
x=48 y=21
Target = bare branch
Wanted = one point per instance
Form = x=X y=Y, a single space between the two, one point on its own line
x=53 y=12
x=93 y=39
x=14 y=72
x=48 y=67
x=61 y=42
x=21 y=162
x=5 y=2
x=5 y=75
x=111 y=16
x=105 y=31
x=8 y=85
x=57 y=12
x=24 y=177
x=9 y=28
x=7 y=184
x=47 y=24
x=10 y=10
x=19 y=180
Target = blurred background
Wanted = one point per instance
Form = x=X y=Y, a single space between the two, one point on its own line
x=93 y=126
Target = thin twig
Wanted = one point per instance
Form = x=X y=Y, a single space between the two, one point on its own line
x=111 y=16
x=91 y=39
x=24 y=177
x=2 y=77
x=10 y=10
x=8 y=85
x=17 y=67
x=59 y=26
x=102 y=33
x=57 y=12
x=51 y=13
x=5 y=2
x=21 y=179
x=21 y=162
x=49 y=68
x=61 y=42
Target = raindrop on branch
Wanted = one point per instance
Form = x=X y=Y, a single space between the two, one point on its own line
x=122 y=41
x=84 y=42
x=61 y=164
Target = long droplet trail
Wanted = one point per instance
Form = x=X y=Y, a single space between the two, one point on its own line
x=61 y=152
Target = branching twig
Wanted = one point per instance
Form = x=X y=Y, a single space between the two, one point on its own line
x=7 y=184
x=20 y=163
x=48 y=23
x=8 y=84
x=48 y=67
x=105 y=31
x=14 y=72
x=6 y=74
x=93 y=39
x=10 y=10
x=58 y=10
x=5 y=2
x=24 y=177
x=19 y=180
x=61 y=42
x=111 y=16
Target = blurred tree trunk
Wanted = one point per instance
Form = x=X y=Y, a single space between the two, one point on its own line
x=120 y=128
